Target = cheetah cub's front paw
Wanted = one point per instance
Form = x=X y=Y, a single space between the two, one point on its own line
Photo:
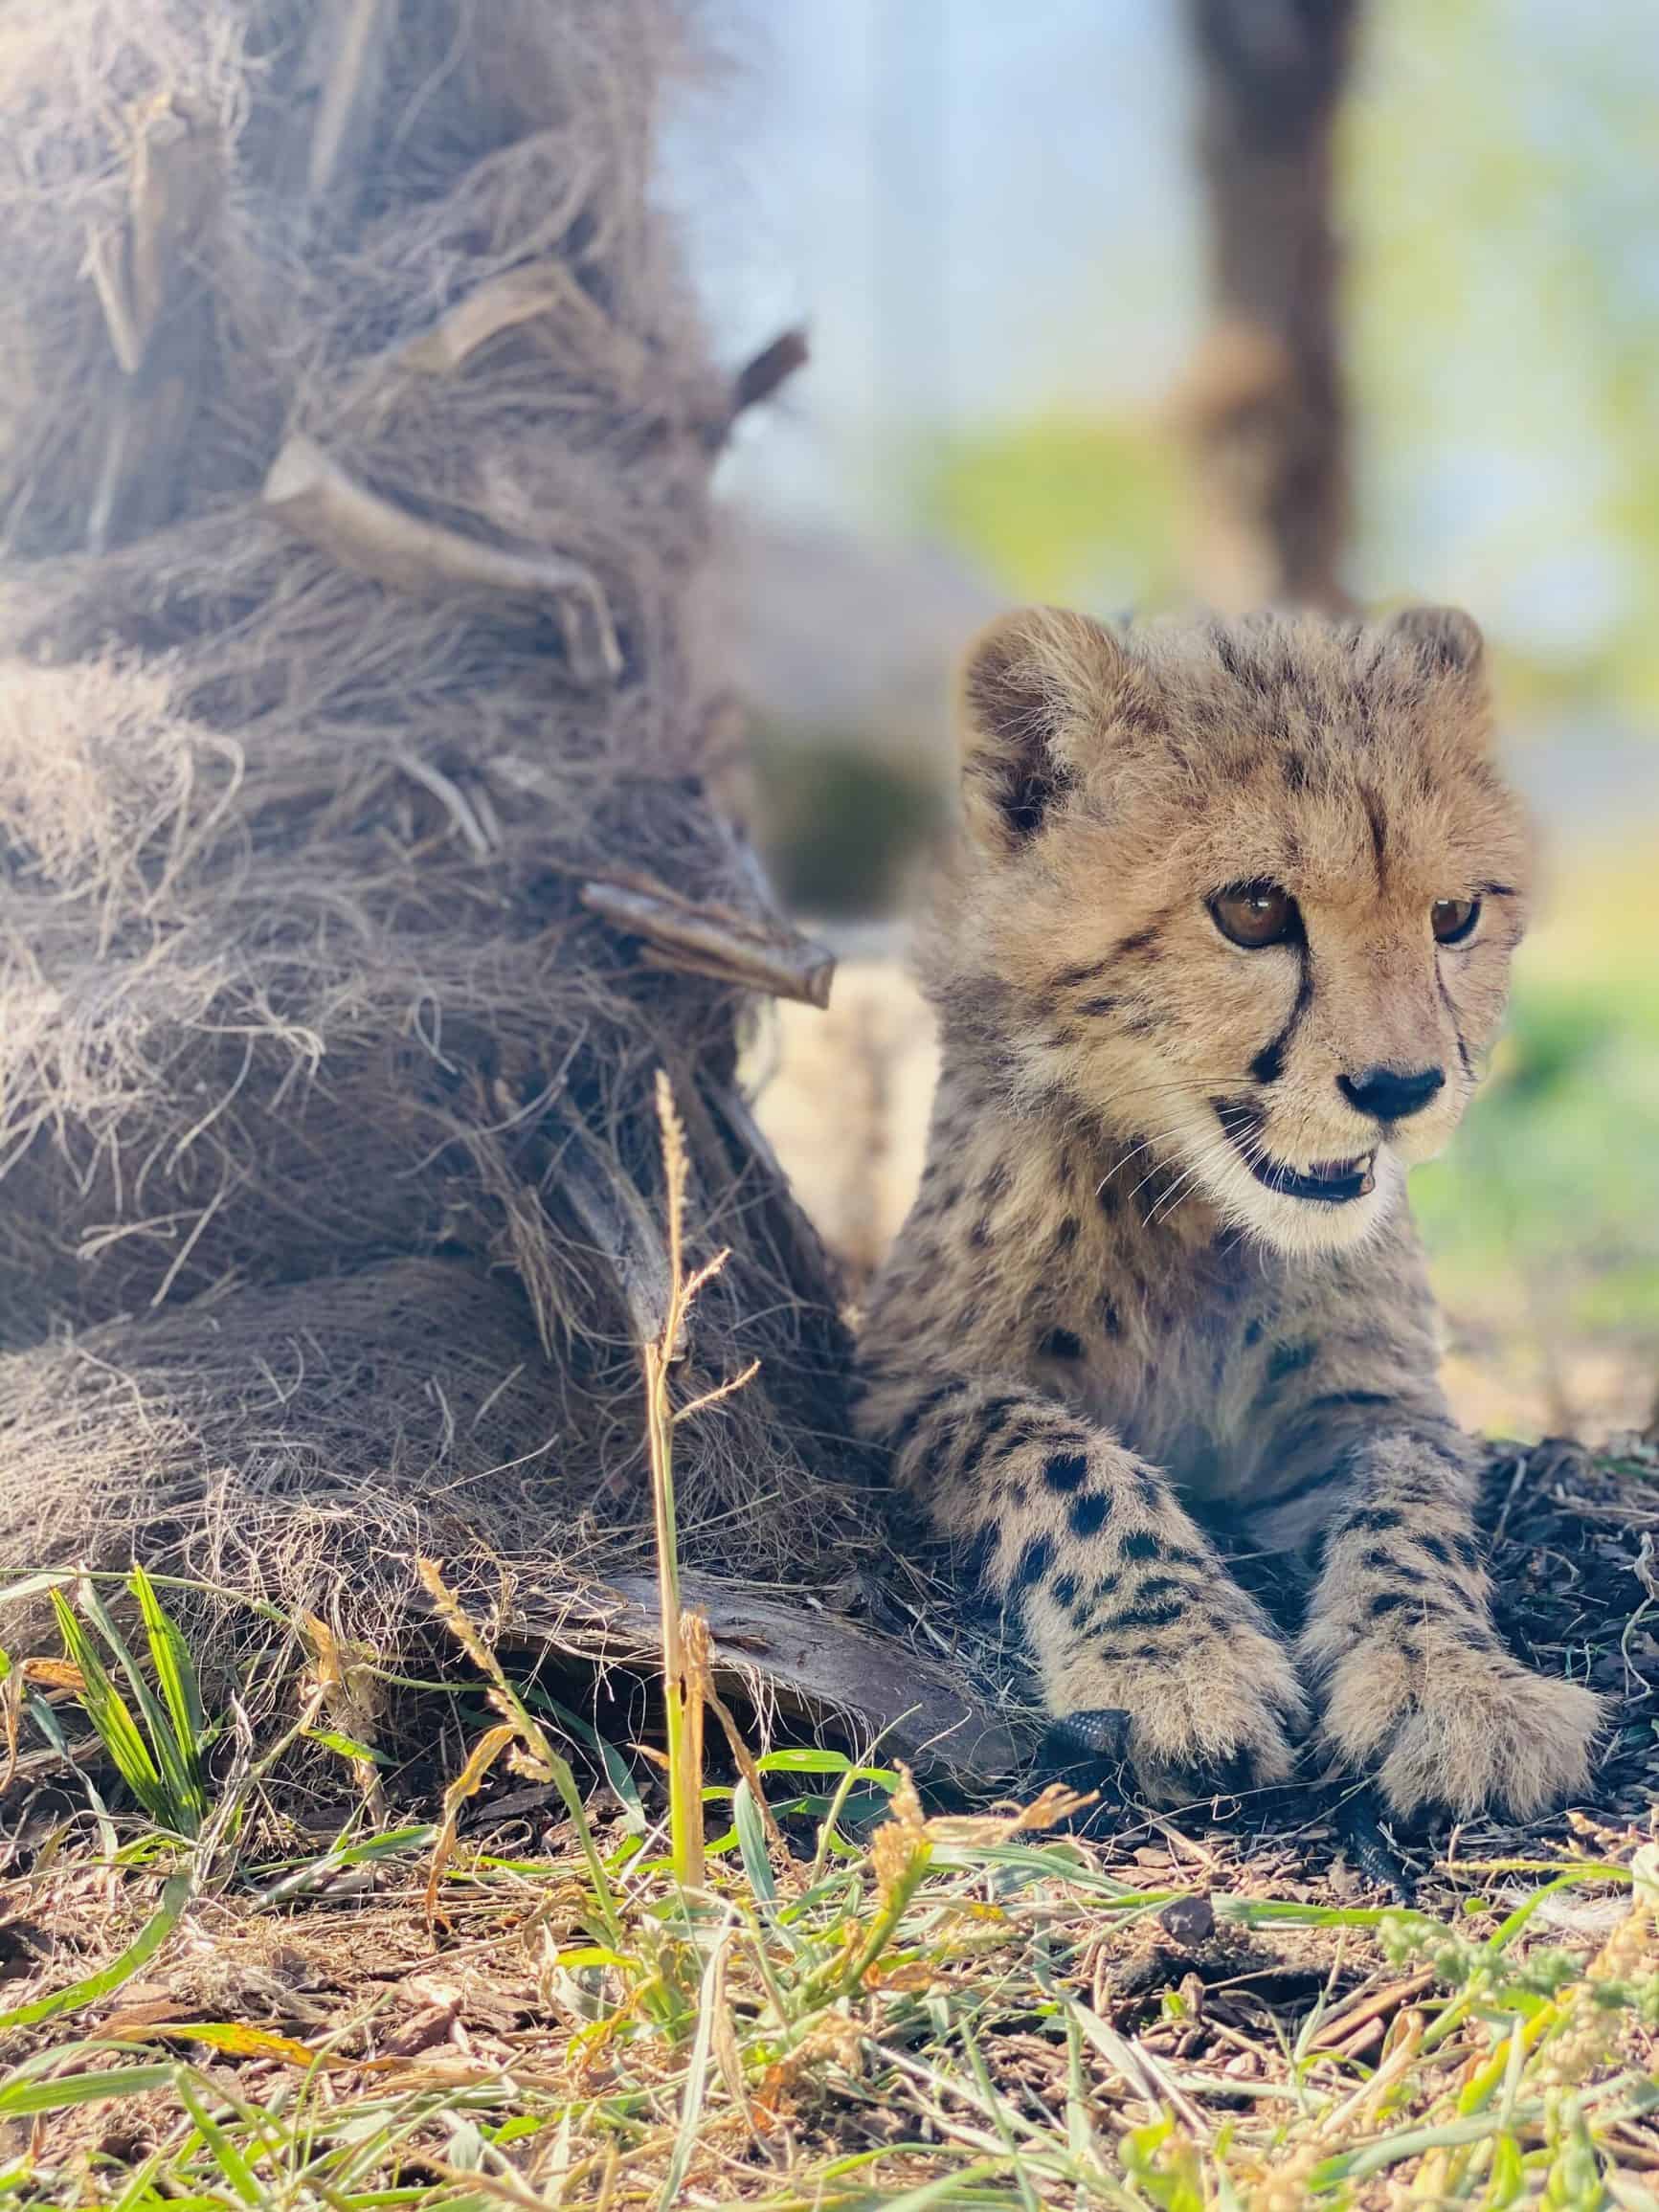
x=1218 y=1711
x=1458 y=1726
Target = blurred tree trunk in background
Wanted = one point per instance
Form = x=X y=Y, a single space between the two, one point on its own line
x=1266 y=406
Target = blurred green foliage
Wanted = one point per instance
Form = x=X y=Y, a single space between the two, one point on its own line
x=1500 y=200
x=844 y=828
x=1543 y=1218
x=1498 y=187
x=1063 y=507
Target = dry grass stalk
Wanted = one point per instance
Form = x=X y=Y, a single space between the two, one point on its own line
x=687 y=1679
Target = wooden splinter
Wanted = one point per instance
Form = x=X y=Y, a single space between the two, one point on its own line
x=310 y=494
x=715 y=941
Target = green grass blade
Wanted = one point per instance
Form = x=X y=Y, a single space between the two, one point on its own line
x=175 y=1671
x=228 y=2160
x=696 y=2081
x=181 y=1814
x=752 y=1844
x=997 y=2107
x=111 y=1717
x=618 y=1771
x=24 y=2099
x=139 y=1952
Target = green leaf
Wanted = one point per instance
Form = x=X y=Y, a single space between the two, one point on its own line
x=808 y=1759
x=139 y=1952
x=696 y=2081
x=175 y=1671
x=348 y=1747
x=752 y=1844
x=231 y=2163
x=185 y=1803
x=617 y=1768
x=111 y=1717
x=25 y=2098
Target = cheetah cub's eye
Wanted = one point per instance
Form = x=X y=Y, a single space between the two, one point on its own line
x=1256 y=914
x=1452 y=919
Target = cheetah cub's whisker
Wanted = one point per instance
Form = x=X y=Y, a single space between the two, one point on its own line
x=1230 y=925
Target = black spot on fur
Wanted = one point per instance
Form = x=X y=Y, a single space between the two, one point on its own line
x=1065 y=1236
x=1381 y=1562
x=1109 y=1198
x=1387 y=1601
x=1035 y=1563
x=975 y=1567
x=1066 y=1471
x=1141 y=1544
x=1065 y=1591
x=1059 y=1344
x=921 y=1410
x=1157 y=1587
x=979 y=1234
x=1088 y=1515
x=990 y=1418
x=1151 y=1616
x=1098 y=1006
x=1254 y=1332
x=1370 y=1518
x=1289 y=1360
x=1072 y=979
x=1140 y=942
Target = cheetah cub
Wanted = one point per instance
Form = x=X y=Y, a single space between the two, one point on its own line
x=1230 y=925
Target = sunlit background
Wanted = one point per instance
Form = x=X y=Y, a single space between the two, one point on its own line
x=993 y=223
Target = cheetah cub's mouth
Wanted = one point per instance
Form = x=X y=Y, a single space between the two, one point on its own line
x=1327 y=1182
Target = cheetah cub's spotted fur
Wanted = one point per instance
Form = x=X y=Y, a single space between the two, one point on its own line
x=1231 y=924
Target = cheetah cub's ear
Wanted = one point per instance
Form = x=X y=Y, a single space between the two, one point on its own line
x=1036 y=690
x=1446 y=640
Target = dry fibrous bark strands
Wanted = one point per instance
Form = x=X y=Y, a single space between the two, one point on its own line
x=358 y=863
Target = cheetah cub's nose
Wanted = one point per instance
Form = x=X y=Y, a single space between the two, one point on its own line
x=1388 y=1093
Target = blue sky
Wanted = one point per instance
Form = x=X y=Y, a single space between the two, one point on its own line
x=980 y=208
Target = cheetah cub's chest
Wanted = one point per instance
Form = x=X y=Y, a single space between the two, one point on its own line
x=1173 y=1342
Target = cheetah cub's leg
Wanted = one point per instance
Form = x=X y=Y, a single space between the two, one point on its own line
x=1125 y=1604
x=1414 y=1682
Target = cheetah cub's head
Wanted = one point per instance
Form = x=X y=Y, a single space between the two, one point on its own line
x=1244 y=896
